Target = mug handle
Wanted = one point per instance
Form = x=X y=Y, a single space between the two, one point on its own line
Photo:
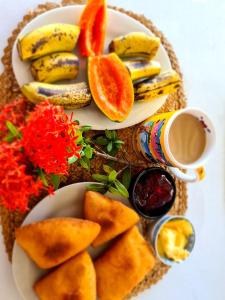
x=197 y=176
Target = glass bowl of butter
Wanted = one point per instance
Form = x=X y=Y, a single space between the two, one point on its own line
x=173 y=238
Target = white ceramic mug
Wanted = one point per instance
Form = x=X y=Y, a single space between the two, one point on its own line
x=153 y=142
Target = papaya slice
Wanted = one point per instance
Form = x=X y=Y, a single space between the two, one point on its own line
x=93 y=28
x=111 y=86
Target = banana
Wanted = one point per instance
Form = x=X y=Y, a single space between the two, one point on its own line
x=47 y=39
x=68 y=95
x=55 y=67
x=163 y=84
x=140 y=69
x=135 y=44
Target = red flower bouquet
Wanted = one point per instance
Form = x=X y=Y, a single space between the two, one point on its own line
x=42 y=141
x=49 y=139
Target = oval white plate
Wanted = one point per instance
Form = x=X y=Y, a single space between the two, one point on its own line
x=117 y=24
x=66 y=202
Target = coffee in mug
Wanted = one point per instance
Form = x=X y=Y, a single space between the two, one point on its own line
x=179 y=139
x=187 y=138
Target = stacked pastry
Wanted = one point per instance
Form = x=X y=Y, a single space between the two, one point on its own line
x=61 y=243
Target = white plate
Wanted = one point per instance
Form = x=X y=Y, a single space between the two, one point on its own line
x=117 y=24
x=66 y=202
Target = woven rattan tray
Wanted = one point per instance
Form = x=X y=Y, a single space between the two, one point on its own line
x=9 y=90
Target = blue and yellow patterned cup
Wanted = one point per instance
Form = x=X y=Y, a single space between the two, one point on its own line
x=153 y=142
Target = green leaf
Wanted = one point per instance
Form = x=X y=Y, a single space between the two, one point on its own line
x=118 y=142
x=88 y=151
x=109 y=146
x=126 y=177
x=121 y=188
x=113 y=135
x=9 y=138
x=85 y=163
x=107 y=169
x=101 y=140
x=72 y=159
x=97 y=188
x=85 y=128
x=112 y=176
x=117 y=147
x=80 y=137
x=55 y=179
x=87 y=140
x=113 y=152
x=41 y=174
x=108 y=134
x=114 y=191
x=14 y=131
x=100 y=178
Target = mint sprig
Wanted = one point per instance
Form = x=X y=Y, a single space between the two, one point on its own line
x=109 y=142
x=109 y=182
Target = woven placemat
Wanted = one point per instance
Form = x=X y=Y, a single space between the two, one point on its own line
x=9 y=89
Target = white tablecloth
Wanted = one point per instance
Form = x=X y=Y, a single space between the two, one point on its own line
x=196 y=30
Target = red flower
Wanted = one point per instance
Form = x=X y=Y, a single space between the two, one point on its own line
x=15 y=113
x=16 y=187
x=49 y=138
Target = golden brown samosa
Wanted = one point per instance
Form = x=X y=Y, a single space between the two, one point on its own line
x=73 y=280
x=53 y=241
x=113 y=216
x=123 y=266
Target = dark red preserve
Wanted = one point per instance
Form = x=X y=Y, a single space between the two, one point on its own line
x=154 y=192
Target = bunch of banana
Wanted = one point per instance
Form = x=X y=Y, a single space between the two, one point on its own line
x=135 y=44
x=137 y=49
x=141 y=48
x=163 y=84
x=47 y=39
x=140 y=69
x=68 y=95
x=49 y=47
x=55 y=67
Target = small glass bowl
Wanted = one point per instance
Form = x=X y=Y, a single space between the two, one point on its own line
x=158 y=212
x=154 y=234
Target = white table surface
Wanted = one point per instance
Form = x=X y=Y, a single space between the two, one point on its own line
x=196 y=30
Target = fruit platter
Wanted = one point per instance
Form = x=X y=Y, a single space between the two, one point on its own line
x=95 y=137
x=89 y=113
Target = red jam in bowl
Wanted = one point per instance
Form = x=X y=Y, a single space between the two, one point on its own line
x=154 y=192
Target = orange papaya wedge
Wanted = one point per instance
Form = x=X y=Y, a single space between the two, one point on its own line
x=93 y=28
x=111 y=86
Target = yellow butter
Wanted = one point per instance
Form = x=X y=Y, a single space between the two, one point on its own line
x=182 y=226
x=173 y=238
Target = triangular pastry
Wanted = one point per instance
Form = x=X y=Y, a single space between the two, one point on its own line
x=53 y=241
x=123 y=266
x=73 y=280
x=113 y=216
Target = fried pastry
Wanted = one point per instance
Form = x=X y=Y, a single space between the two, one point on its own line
x=53 y=241
x=73 y=280
x=113 y=216
x=123 y=266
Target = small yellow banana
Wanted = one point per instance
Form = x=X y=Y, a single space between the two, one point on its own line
x=139 y=69
x=68 y=95
x=55 y=67
x=47 y=39
x=163 y=84
x=135 y=44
